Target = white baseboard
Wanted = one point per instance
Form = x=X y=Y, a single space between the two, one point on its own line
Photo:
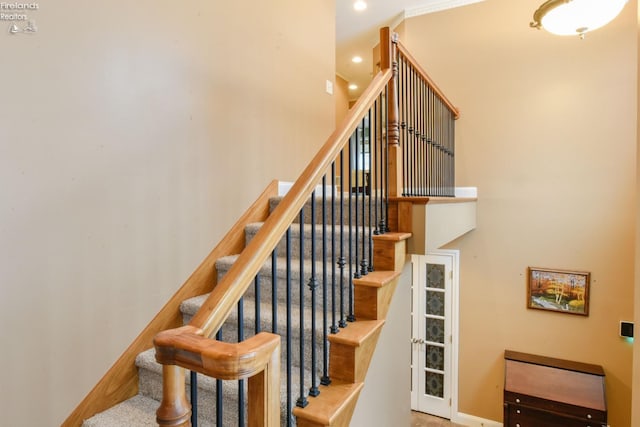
x=472 y=421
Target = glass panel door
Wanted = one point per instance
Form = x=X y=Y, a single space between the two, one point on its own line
x=431 y=334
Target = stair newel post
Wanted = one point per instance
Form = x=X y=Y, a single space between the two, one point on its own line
x=264 y=394
x=174 y=409
x=389 y=59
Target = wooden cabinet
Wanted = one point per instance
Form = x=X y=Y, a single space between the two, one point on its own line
x=546 y=392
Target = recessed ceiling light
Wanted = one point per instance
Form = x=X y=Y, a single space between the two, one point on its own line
x=360 y=5
x=353 y=86
x=356 y=59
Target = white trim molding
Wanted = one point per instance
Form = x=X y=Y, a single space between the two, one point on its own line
x=436 y=6
x=473 y=421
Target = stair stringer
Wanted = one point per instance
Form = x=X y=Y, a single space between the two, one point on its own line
x=353 y=347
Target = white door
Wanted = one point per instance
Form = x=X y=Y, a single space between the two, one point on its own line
x=431 y=344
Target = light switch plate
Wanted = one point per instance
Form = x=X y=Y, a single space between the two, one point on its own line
x=329 y=87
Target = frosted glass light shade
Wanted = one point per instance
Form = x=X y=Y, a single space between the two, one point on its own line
x=576 y=17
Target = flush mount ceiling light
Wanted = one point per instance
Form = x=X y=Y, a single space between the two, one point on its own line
x=360 y=5
x=356 y=59
x=353 y=86
x=575 y=17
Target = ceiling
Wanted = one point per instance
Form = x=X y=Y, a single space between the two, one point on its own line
x=358 y=32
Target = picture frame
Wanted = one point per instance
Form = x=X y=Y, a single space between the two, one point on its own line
x=562 y=291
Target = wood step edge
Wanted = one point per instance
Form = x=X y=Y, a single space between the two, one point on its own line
x=392 y=236
x=356 y=332
x=377 y=279
x=329 y=404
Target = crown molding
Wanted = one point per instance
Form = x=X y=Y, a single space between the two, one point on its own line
x=436 y=6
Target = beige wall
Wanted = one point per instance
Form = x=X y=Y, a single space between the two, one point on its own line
x=548 y=135
x=132 y=134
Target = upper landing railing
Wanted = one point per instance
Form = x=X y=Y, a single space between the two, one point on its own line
x=396 y=141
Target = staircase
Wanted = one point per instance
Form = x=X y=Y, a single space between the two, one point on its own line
x=333 y=297
x=351 y=347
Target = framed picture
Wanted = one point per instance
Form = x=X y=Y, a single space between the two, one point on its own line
x=558 y=290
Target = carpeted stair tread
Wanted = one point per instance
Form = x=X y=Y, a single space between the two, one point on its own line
x=375 y=201
x=139 y=411
x=190 y=306
x=329 y=231
x=266 y=272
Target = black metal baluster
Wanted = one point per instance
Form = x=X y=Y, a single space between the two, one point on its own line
x=334 y=259
x=193 y=376
x=274 y=291
x=302 y=399
x=375 y=173
x=428 y=166
x=257 y=302
x=442 y=153
x=364 y=268
x=385 y=198
x=358 y=143
x=341 y=260
x=416 y=136
x=350 y=316
x=445 y=154
x=313 y=286
x=409 y=148
x=432 y=149
x=372 y=137
x=419 y=133
x=324 y=380
x=439 y=147
x=288 y=327
x=435 y=163
x=241 y=404
x=404 y=126
x=219 y=390
x=452 y=171
x=423 y=139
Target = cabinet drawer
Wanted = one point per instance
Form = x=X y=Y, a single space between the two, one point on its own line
x=586 y=414
x=523 y=416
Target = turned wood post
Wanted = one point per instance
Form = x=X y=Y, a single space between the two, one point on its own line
x=174 y=409
x=389 y=59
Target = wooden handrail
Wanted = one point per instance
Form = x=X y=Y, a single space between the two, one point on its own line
x=257 y=358
x=436 y=90
x=187 y=347
x=234 y=284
